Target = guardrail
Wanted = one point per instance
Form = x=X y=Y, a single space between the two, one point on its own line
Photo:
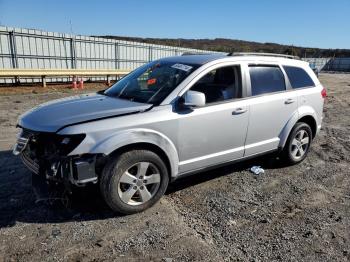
x=43 y=73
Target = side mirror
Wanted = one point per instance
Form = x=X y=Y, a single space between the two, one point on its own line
x=194 y=98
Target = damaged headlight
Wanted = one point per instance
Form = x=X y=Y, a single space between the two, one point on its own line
x=66 y=140
x=67 y=143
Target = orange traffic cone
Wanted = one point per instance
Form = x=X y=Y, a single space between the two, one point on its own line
x=74 y=83
x=81 y=84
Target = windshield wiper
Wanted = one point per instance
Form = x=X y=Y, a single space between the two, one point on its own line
x=102 y=92
x=122 y=96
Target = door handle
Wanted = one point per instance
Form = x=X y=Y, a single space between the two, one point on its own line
x=239 y=111
x=289 y=101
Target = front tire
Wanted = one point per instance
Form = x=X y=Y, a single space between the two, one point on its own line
x=134 y=181
x=298 y=144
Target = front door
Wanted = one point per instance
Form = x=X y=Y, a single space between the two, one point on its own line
x=215 y=133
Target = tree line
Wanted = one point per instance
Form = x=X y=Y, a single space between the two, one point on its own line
x=231 y=45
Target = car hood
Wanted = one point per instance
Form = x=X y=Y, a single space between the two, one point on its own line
x=51 y=116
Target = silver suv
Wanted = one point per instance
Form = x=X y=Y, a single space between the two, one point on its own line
x=173 y=117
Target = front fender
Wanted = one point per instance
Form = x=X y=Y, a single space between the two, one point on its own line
x=140 y=135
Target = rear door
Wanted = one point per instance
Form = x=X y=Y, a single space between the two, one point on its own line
x=272 y=104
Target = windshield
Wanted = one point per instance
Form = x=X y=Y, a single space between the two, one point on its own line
x=151 y=83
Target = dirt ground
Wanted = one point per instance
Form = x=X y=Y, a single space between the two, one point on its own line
x=298 y=213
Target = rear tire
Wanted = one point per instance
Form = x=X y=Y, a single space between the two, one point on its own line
x=298 y=144
x=134 y=181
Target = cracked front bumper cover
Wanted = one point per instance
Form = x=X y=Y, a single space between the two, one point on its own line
x=45 y=155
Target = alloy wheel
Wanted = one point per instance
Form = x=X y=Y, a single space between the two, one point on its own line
x=139 y=183
x=300 y=144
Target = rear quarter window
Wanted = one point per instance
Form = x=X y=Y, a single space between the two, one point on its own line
x=266 y=79
x=298 y=77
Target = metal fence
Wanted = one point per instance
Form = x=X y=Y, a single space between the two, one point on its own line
x=36 y=49
x=330 y=64
x=341 y=64
x=319 y=63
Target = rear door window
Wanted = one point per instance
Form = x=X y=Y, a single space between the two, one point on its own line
x=266 y=79
x=298 y=77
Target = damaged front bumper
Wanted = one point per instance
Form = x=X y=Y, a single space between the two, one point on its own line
x=41 y=155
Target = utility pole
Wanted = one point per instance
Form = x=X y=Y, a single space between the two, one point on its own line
x=71 y=26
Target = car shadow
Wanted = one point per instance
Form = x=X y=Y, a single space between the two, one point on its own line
x=18 y=202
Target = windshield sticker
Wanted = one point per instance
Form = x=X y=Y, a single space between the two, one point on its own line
x=182 y=67
x=151 y=81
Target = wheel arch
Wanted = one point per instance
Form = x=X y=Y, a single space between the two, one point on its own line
x=141 y=139
x=308 y=118
x=146 y=146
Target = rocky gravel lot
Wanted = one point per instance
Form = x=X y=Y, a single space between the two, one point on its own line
x=298 y=213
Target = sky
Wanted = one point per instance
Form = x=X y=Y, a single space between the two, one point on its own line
x=309 y=23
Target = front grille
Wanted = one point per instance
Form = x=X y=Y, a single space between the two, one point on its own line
x=22 y=141
x=30 y=163
x=38 y=150
x=27 y=133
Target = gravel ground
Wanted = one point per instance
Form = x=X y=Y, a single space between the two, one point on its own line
x=289 y=213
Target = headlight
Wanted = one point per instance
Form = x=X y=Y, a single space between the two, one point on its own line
x=66 y=140
x=69 y=142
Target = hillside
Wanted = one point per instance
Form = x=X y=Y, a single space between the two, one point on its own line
x=231 y=45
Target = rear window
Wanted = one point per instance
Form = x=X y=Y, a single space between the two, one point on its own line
x=266 y=79
x=298 y=77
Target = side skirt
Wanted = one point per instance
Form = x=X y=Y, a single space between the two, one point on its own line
x=203 y=169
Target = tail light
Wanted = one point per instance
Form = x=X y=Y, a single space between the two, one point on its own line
x=324 y=93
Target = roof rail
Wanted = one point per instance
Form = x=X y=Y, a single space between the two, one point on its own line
x=194 y=53
x=263 y=54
